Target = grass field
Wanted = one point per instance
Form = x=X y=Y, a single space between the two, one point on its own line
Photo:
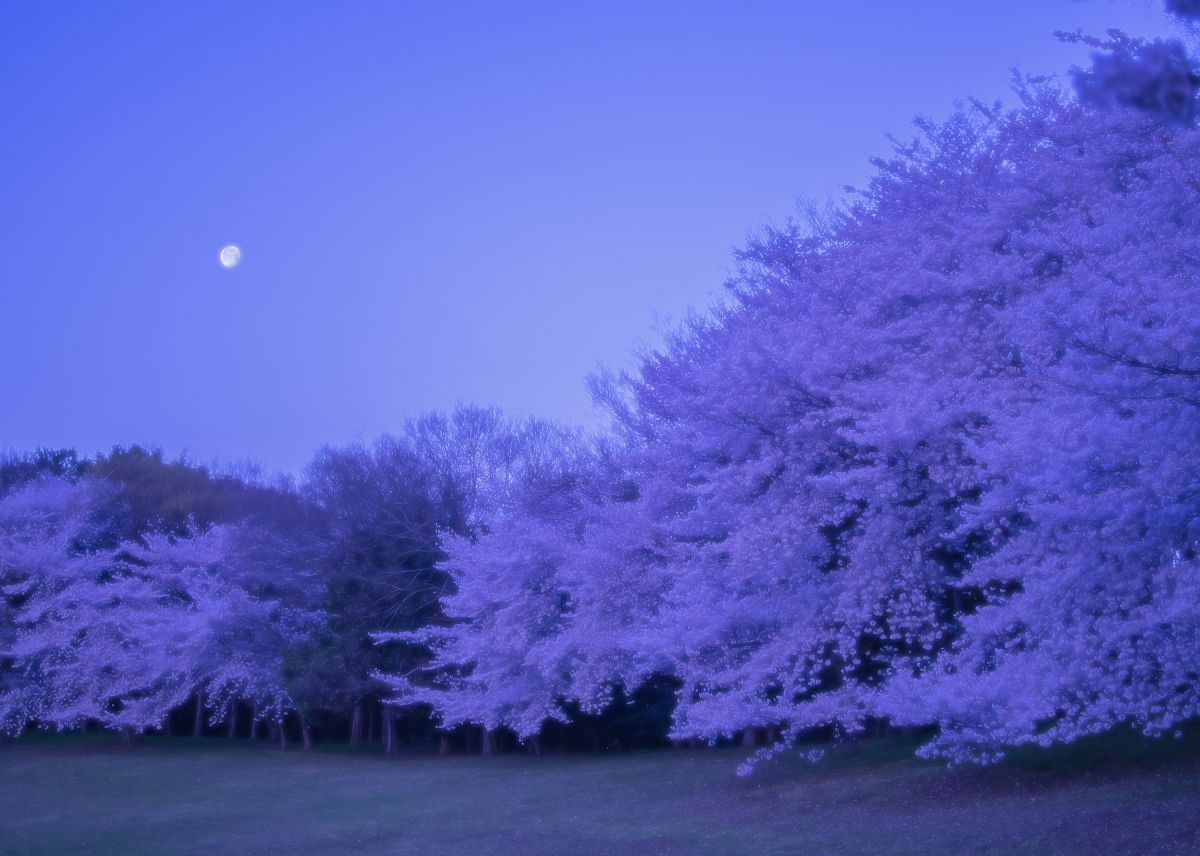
x=88 y=795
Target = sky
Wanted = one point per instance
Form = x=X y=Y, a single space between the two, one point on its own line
x=436 y=202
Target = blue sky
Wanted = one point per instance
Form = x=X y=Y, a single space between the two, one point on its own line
x=436 y=202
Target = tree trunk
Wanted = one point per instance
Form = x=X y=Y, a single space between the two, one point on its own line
x=305 y=732
x=129 y=737
x=389 y=730
x=356 y=725
x=488 y=742
x=282 y=733
x=254 y=720
x=198 y=723
x=535 y=745
x=749 y=738
x=370 y=723
x=443 y=744
x=232 y=719
x=167 y=725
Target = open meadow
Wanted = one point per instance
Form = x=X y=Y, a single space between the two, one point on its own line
x=89 y=795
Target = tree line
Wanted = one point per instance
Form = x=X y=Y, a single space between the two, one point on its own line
x=142 y=593
x=933 y=463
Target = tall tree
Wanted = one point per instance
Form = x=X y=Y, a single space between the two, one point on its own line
x=930 y=445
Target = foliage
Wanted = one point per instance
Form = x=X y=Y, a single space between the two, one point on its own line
x=122 y=636
x=932 y=461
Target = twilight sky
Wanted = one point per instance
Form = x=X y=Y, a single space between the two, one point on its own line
x=435 y=202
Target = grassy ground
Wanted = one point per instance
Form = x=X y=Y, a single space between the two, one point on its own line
x=88 y=795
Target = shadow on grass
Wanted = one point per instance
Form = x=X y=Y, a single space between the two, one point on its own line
x=1123 y=749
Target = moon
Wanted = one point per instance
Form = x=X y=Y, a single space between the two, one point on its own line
x=230 y=256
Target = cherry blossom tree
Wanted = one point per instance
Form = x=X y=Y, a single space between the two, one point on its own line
x=525 y=482
x=123 y=635
x=931 y=445
x=1092 y=471
x=47 y=527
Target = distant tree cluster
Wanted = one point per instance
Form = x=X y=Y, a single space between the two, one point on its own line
x=934 y=463
x=138 y=590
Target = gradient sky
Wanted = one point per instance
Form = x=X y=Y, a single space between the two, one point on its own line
x=437 y=202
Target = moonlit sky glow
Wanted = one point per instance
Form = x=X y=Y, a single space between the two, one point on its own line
x=444 y=201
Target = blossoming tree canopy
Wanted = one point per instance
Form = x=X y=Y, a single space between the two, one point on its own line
x=122 y=633
x=931 y=461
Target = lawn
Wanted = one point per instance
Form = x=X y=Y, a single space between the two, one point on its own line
x=175 y=796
